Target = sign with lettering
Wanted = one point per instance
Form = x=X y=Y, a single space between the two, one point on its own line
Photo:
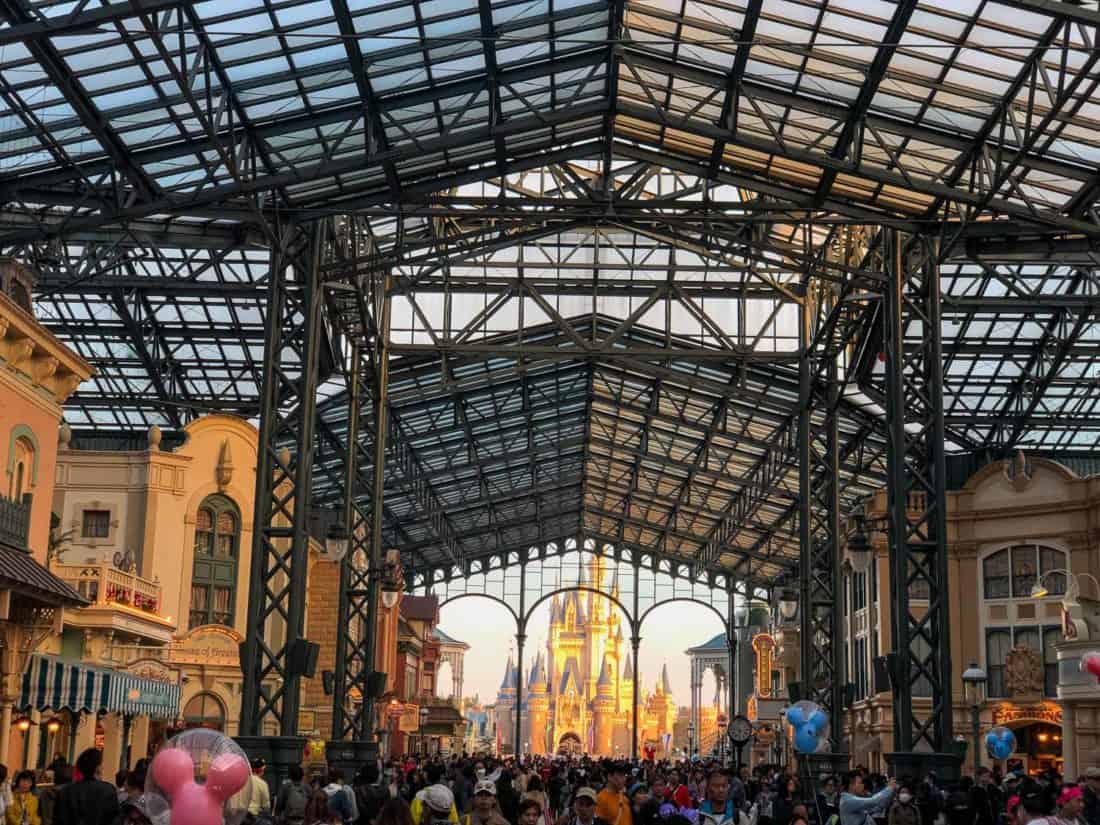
x=763 y=645
x=1005 y=714
x=212 y=645
x=153 y=670
x=410 y=718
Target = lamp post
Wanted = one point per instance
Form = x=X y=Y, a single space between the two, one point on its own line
x=788 y=603
x=691 y=738
x=722 y=738
x=1073 y=587
x=423 y=720
x=974 y=682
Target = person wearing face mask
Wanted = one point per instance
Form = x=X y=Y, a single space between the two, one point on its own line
x=904 y=810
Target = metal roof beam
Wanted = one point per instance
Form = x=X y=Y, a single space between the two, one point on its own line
x=81 y=20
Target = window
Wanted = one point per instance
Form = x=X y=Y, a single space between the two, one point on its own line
x=214 y=570
x=204 y=711
x=410 y=681
x=1051 y=637
x=995 y=573
x=859 y=666
x=997 y=644
x=95 y=524
x=1000 y=641
x=859 y=591
x=1011 y=573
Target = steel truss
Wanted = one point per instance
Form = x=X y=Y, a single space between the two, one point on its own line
x=916 y=493
x=284 y=470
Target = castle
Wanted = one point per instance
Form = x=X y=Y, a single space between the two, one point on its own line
x=578 y=694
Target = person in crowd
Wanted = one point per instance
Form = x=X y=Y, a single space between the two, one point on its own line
x=799 y=814
x=535 y=791
x=5 y=789
x=856 y=807
x=485 y=810
x=395 y=812
x=988 y=799
x=1071 y=804
x=1030 y=810
x=642 y=812
x=612 y=806
x=786 y=796
x=959 y=804
x=89 y=801
x=677 y=792
x=718 y=808
x=133 y=786
x=437 y=805
x=135 y=812
x=47 y=796
x=507 y=798
x=904 y=810
x=555 y=790
x=23 y=809
x=292 y=798
x=336 y=786
x=1091 y=811
x=530 y=812
x=434 y=777
x=584 y=809
x=259 y=799
x=827 y=799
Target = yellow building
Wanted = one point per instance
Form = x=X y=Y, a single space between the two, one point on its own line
x=579 y=694
x=1024 y=605
x=158 y=538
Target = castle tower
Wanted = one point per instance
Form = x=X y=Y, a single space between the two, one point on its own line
x=603 y=711
x=626 y=685
x=506 y=707
x=538 y=708
x=661 y=707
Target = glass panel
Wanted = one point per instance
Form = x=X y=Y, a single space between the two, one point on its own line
x=997 y=645
x=222 y=612
x=1051 y=559
x=1028 y=637
x=1023 y=571
x=197 y=612
x=1051 y=637
x=96 y=524
x=995 y=573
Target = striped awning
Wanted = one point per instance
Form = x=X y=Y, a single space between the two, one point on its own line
x=50 y=683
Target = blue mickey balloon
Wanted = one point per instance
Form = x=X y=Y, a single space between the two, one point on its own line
x=805 y=740
x=1000 y=742
x=810 y=724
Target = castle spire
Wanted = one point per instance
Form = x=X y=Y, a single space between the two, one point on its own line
x=509 y=681
x=606 y=676
x=557 y=615
x=628 y=668
x=664 y=687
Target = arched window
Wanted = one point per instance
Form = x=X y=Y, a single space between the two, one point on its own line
x=20 y=467
x=204 y=711
x=1012 y=572
x=214 y=572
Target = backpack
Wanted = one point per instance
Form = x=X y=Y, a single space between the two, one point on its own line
x=294 y=805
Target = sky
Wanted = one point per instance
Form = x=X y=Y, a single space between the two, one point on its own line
x=489 y=630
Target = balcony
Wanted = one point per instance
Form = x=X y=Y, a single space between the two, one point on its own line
x=121 y=602
x=15 y=521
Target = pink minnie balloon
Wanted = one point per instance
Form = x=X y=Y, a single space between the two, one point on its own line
x=172 y=768
x=1090 y=663
x=227 y=775
x=193 y=804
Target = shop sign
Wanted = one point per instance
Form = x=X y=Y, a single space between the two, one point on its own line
x=1006 y=714
x=410 y=718
x=210 y=645
x=763 y=644
x=154 y=671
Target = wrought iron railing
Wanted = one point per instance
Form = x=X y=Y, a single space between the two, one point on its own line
x=15 y=521
x=103 y=585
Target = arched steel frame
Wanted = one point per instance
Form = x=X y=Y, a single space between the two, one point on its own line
x=523 y=580
x=906 y=279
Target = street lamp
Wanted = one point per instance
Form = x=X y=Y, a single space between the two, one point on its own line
x=788 y=603
x=423 y=720
x=974 y=683
x=337 y=541
x=691 y=738
x=1073 y=589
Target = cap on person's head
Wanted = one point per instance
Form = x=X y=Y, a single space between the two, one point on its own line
x=439 y=798
x=258 y=763
x=1068 y=795
x=485 y=786
x=585 y=793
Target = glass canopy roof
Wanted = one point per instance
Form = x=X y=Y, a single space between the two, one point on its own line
x=564 y=171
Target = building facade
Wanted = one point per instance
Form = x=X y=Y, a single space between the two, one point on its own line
x=1024 y=553
x=37 y=374
x=580 y=691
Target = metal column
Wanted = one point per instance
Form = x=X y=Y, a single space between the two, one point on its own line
x=916 y=508
x=280 y=544
x=635 y=646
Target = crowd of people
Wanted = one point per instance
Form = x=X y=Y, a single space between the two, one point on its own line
x=559 y=791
